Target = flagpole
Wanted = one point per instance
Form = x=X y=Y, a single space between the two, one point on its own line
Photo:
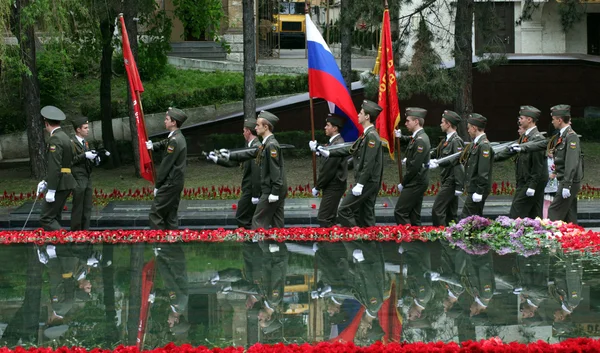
x=312 y=110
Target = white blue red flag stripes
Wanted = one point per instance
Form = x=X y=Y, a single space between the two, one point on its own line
x=325 y=80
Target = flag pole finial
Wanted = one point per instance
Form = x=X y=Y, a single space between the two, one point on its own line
x=385 y=4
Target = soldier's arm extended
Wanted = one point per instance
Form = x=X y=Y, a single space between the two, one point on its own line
x=242 y=156
x=504 y=154
x=55 y=153
x=534 y=146
x=484 y=164
x=167 y=162
x=572 y=159
x=340 y=152
x=420 y=158
x=373 y=146
x=275 y=168
x=328 y=171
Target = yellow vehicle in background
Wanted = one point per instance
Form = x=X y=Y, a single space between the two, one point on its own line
x=289 y=24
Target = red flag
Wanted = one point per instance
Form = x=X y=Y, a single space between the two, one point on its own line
x=135 y=85
x=388 y=90
x=147 y=284
x=348 y=334
x=390 y=319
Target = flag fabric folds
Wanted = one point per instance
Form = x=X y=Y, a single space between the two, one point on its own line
x=388 y=88
x=325 y=81
x=136 y=87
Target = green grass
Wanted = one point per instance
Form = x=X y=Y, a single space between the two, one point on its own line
x=299 y=172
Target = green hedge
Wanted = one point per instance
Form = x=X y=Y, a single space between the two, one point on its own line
x=156 y=102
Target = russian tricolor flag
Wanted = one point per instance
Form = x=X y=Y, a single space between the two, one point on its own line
x=325 y=81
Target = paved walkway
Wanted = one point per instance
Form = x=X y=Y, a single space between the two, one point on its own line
x=197 y=214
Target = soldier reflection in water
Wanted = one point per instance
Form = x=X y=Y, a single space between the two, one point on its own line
x=170 y=260
x=566 y=286
x=262 y=280
x=355 y=271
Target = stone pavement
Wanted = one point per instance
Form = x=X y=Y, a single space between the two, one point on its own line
x=210 y=214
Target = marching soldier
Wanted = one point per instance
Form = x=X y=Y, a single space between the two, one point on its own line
x=530 y=168
x=83 y=163
x=59 y=181
x=170 y=176
x=358 y=207
x=269 y=210
x=251 y=174
x=445 y=206
x=566 y=150
x=333 y=172
x=416 y=178
x=478 y=159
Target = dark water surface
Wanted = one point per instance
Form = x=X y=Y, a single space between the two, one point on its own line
x=223 y=294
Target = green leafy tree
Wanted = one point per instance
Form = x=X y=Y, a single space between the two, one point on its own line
x=200 y=18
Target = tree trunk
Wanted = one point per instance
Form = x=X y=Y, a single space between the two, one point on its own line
x=249 y=59
x=347 y=25
x=31 y=89
x=463 y=57
x=107 y=29
x=130 y=11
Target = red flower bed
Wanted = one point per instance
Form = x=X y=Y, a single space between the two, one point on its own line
x=575 y=345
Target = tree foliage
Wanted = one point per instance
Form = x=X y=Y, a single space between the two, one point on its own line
x=200 y=17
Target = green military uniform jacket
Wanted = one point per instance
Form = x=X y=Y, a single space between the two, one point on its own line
x=333 y=171
x=272 y=169
x=453 y=173
x=478 y=159
x=568 y=158
x=417 y=158
x=251 y=170
x=82 y=167
x=172 y=167
x=60 y=159
x=531 y=169
x=478 y=276
x=367 y=156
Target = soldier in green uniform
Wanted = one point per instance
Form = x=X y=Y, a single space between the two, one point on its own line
x=333 y=172
x=59 y=181
x=170 y=175
x=269 y=210
x=417 y=279
x=566 y=150
x=531 y=169
x=251 y=174
x=478 y=159
x=478 y=279
x=445 y=206
x=566 y=287
x=532 y=274
x=358 y=207
x=83 y=163
x=416 y=178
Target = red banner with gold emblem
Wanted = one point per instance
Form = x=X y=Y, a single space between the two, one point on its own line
x=388 y=91
x=135 y=86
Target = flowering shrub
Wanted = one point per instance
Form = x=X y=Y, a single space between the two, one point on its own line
x=474 y=235
x=490 y=345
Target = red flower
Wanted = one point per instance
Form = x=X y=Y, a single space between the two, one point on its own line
x=234 y=206
x=313 y=206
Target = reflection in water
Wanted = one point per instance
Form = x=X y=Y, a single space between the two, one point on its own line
x=223 y=294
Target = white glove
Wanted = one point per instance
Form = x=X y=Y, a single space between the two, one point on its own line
x=155 y=191
x=42 y=187
x=458 y=192
x=315 y=192
x=476 y=197
x=433 y=164
x=273 y=198
x=91 y=155
x=398 y=133
x=400 y=187
x=324 y=152
x=404 y=161
x=255 y=200
x=530 y=192
x=313 y=145
x=566 y=193
x=50 y=196
x=149 y=145
x=106 y=153
x=357 y=189
x=212 y=156
x=515 y=148
x=225 y=153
